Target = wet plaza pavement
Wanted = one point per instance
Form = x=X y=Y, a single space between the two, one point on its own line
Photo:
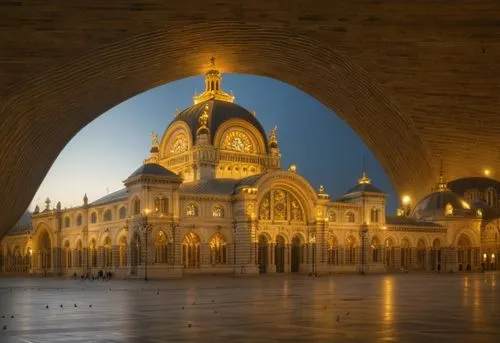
x=347 y=308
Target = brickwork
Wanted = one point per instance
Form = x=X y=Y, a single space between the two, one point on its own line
x=417 y=81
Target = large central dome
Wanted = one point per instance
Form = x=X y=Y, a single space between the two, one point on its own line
x=218 y=111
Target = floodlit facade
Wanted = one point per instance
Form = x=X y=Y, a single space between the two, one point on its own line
x=212 y=198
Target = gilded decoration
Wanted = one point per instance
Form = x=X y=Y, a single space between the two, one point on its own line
x=280 y=210
x=218 y=211
x=265 y=208
x=284 y=207
x=191 y=210
x=180 y=144
x=238 y=141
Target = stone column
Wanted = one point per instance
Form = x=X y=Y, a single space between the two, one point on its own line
x=271 y=267
x=287 y=257
x=177 y=233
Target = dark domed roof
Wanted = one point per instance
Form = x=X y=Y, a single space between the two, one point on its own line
x=154 y=169
x=433 y=206
x=364 y=187
x=219 y=112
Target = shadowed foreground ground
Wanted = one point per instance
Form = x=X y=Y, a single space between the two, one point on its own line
x=374 y=308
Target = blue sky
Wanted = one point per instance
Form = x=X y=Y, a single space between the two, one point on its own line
x=102 y=155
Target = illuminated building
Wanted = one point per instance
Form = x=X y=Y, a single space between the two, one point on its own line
x=211 y=197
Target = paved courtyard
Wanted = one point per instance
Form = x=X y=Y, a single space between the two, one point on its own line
x=348 y=308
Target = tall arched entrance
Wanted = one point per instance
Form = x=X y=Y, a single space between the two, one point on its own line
x=464 y=253
x=45 y=247
x=279 y=254
x=297 y=253
x=191 y=251
x=421 y=254
x=263 y=253
x=436 y=255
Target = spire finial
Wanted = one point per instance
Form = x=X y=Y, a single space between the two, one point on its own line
x=364 y=179
x=212 y=62
x=441 y=185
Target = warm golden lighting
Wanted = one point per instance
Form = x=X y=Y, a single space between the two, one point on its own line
x=487 y=172
x=465 y=205
x=406 y=199
x=388 y=294
x=293 y=168
x=479 y=212
x=147 y=211
x=485 y=256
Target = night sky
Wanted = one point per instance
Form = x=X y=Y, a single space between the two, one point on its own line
x=102 y=155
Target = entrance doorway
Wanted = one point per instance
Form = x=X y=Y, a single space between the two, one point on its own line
x=279 y=253
x=297 y=253
x=262 y=256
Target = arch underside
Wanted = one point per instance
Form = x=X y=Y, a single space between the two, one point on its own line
x=396 y=86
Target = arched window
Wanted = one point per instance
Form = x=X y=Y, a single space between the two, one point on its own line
x=218 y=253
x=164 y=206
x=107 y=216
x=421 y=253
x=284 y=206
x=491 y=197
x=66 y=255
x=333 y=251
x=191 y=210
x=405 y=253
x=448 y=209
x=389 y=252
x=376 y=250
x=136 y=206
x=79 y=220
x=93 y=218
x=67 y=222
x=78 y=254
x=332 y=216
x=349 y=217
x=122 y=213
x=374 y=215
x=218 y=211
x=191 y=251
x=107 y=252
x=350 y=250
x=161 y=205
x=164 y=248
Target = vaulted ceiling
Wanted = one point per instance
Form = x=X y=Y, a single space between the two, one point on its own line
x=418 y=81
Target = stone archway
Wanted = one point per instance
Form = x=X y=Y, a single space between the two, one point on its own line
x=334 y=79
x=314 y=47
x=45 y=251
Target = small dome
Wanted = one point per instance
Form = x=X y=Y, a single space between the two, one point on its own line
x=154 y=169
x=434 y=206
x=219 y=111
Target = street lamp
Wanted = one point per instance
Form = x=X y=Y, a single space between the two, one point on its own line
x=406 y=204
x=146 y=229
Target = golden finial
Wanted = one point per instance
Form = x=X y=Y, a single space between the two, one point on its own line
x=154 y=139
x=442 y=184
x=273 y=139
x=213 y=86
x=364 y=179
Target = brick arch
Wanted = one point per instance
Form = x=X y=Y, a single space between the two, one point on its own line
x=80 y=74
